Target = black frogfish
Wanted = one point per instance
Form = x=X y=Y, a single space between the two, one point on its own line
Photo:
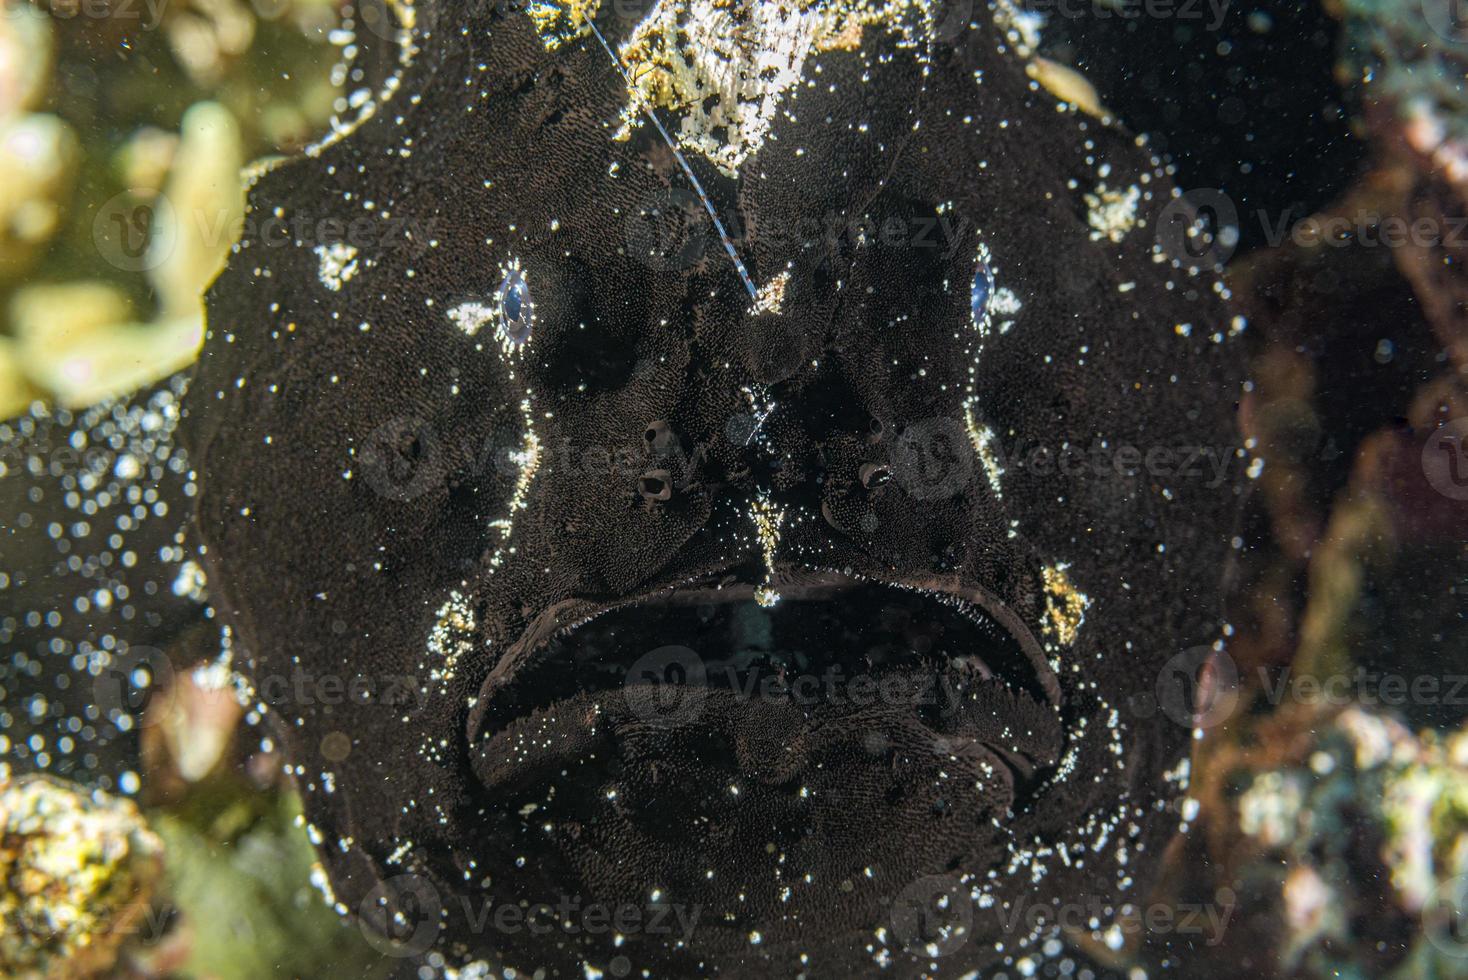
x=708 y=487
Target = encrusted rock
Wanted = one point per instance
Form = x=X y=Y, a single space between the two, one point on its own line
x=77 y=871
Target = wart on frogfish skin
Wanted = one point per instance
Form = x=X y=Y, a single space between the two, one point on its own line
x=452 y=637
x=771 y=296
x=768 y=520
x=338 y=264
x=1065 y=605
x=1113 y=212
x=982 y=438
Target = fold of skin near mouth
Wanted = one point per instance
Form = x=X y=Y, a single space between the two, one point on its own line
x=402 y=489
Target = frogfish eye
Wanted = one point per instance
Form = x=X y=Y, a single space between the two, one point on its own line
x=516 y=309
x=981 y=290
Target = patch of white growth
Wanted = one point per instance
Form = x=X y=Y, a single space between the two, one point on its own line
x=1113 y=213
x=452 y=636
x=771 y=298
x=726 y=66
x=768 y=520
x=337 y=264
x=982 y=438
x=1001 y=304
x=471 y=317
x=1007 y=305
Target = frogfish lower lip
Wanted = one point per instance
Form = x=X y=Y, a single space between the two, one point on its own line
x=839 y=664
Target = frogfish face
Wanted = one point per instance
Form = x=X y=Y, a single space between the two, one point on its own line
x=722 y=464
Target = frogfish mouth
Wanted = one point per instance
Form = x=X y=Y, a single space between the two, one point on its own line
x=735 y=458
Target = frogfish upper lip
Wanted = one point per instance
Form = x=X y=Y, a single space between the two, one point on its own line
x=831 y=636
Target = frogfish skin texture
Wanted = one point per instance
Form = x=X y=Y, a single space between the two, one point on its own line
x=796 y=587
